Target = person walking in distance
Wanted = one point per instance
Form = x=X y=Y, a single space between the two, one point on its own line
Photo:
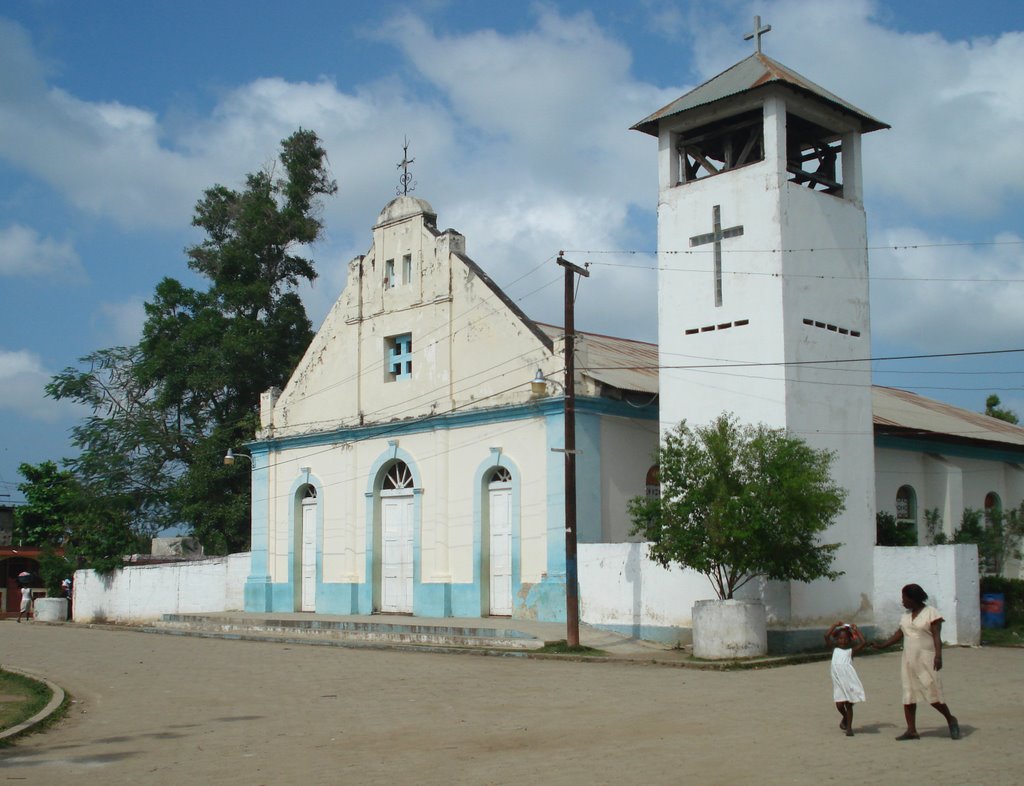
x=26 y=603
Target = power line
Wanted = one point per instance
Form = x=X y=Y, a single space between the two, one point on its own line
x=808 y=362
x=809 y=249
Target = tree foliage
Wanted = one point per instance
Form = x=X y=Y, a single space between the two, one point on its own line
x=165 y=411
x=739 y=502
x=889 y=531
x=998 y=535
x=993 y=410
x=60 y=514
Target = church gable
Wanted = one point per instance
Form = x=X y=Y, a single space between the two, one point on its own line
x=419 y=330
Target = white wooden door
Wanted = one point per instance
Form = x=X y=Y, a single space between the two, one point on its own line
x=397 y=557
x=501 y=550
x=308 y=577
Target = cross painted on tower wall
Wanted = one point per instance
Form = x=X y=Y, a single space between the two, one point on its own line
x=716 y=236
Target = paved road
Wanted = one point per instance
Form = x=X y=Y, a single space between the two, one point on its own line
x=167 y=709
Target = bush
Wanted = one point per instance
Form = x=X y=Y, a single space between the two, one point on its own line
x=890 y=532
x=1013 y=590
x=740 y=501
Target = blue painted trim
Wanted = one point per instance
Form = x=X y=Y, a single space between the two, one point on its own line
x=462 y=419
x=555 y=496
x=338 y=598
x=257 y=594
x=588 y=478
x=545 y=600
x=400 y=357
x=1008 y=455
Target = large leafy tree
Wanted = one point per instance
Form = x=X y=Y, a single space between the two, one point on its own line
x=738 y=502
x=71 y=525
x=165 y=411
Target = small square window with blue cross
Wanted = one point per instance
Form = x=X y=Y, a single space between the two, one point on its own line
x=399 y=356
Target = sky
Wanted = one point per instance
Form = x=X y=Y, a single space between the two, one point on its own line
x=116 y=115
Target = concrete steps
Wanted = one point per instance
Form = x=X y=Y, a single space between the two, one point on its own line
x=347 y=631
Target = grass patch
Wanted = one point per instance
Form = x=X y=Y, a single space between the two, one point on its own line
x=20 y=698
x=560 y=647
x=1010 y=636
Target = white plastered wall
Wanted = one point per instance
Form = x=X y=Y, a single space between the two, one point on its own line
x=628 y=449
x=447 y=461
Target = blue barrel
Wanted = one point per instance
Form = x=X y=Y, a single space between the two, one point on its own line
x=993 y=610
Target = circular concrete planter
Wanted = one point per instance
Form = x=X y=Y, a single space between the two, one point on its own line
x=51 y=609
x=726 y=629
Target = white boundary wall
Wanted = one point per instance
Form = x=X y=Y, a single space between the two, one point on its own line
x=949 y=574
x=621 y=589
x=141 y=593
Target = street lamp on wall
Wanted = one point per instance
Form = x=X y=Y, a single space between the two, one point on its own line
x=539 y=384
x=229 y=457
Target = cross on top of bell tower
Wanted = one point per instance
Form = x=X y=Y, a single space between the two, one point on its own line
x=757 y=32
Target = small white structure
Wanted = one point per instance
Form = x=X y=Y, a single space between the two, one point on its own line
x=50 y=609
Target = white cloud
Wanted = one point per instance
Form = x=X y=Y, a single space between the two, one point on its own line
x=952 y=298
x=23 y=253
x=23 y=378
x=524 y=144
x=122 y=322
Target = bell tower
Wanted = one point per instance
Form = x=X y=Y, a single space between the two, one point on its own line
x=763 y=284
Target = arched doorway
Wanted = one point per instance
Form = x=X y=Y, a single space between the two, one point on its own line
x=307 y=550
x=396 y=540
x=498 y=556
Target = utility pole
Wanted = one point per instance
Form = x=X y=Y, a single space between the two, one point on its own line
x=572 y=601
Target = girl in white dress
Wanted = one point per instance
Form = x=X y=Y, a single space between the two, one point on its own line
x=845 y=640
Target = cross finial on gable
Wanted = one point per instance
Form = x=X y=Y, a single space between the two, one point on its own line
x=405 y=181
x=757 y=32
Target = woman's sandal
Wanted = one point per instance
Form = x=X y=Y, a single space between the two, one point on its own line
x=954 y=729
x=908 y=736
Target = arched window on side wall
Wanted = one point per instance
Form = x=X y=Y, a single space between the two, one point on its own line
x=993 y=507
x=653 y=485
x=906 y=505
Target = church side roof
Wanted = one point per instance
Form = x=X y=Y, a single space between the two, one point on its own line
x=900 y=412
x=632 y=365
x=618 y=362
x=752 y=73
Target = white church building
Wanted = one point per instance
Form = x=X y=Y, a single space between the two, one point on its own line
x=408 y=466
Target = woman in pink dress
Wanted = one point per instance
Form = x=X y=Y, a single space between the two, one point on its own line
x=920 y=630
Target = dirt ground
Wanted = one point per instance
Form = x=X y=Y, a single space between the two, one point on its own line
x=168 y=709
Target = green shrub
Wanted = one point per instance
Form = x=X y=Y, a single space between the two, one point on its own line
x=890 y=532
